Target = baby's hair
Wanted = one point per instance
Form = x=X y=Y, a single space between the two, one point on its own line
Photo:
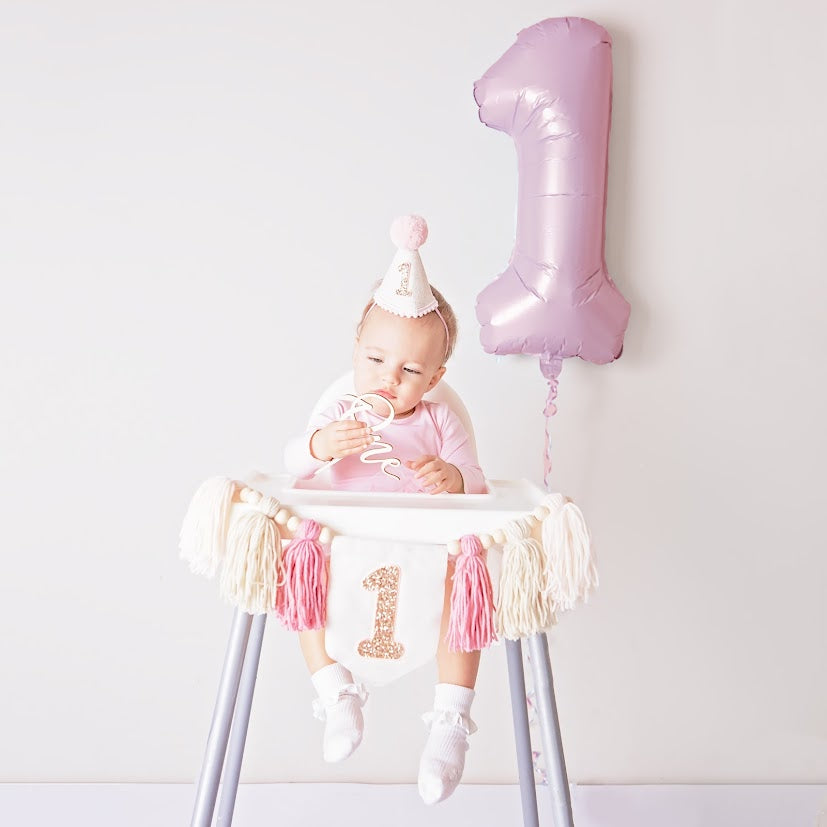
x=442 y=306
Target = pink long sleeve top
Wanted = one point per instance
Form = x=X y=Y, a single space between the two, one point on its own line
x=432 y=429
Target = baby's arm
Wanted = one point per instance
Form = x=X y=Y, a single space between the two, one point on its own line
x=457 y=451
x=456 y=469
x=326 y=438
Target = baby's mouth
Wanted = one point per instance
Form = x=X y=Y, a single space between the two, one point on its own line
x=385 y=394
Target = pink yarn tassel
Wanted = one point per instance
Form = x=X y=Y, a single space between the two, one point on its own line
x=471 y=622
x=302 y=597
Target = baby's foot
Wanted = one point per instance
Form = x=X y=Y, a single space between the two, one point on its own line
x=443 y=759
x=343 y=724
x=339 y=705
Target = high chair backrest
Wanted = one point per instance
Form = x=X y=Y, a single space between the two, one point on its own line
x=443 y=393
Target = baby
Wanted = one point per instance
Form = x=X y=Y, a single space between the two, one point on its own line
x=403 y=340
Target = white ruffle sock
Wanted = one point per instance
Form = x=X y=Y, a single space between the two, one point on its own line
x=339 y=705
x=449 y=725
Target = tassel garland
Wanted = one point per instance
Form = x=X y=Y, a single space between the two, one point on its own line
x=203 y=537
x=536 y=578
x=471 y=620
x=523 y=604
x=302 y=598
x=572 y=570
x=250 y=576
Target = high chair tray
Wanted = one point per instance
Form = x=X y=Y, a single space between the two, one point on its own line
x=415 y=517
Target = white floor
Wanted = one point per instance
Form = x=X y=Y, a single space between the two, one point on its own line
x=365 y=805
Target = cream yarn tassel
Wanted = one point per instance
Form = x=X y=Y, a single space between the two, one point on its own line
x=572 y=571
x=204 y=530
x=252 y=567
x=523 y=604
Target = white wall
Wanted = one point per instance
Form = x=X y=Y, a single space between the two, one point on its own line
x=194 y=201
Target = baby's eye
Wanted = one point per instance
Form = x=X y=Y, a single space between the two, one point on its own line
x=375 y=359
x=414 y=371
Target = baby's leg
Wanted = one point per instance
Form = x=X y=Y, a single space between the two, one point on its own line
x=443 y=760
x=312 y=645
x=340 y=700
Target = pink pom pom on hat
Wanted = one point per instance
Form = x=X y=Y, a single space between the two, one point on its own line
x=409 y=232
x=405 y=290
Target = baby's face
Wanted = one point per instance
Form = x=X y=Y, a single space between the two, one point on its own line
x=400 y=359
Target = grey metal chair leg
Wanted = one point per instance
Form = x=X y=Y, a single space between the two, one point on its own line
x=241 y=720
x=550 y=731
x=221 y=720
x=519 y=712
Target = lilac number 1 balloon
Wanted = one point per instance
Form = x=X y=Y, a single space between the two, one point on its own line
x=551 y=92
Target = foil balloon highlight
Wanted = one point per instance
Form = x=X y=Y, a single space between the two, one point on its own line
x=551 y=92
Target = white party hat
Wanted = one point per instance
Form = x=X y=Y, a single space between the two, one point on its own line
x=405 y=290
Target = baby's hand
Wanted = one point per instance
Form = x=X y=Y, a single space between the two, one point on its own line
x=339 y=439
x=432 y=471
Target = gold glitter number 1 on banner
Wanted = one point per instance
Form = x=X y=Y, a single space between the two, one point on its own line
x=382 y=645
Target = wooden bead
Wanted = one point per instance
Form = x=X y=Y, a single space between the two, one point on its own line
x=325 y=536
x=254 y=497
x=486 y=541
x=282 y=516
x=453 y=548
x=293 y=523
x=498 y=536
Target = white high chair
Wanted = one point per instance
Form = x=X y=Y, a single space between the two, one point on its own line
x=437 y=520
